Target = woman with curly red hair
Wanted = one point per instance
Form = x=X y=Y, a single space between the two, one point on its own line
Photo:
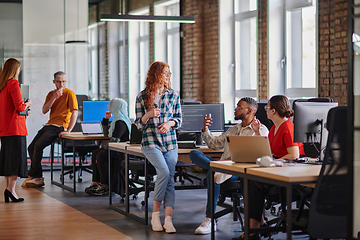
x=158 y=114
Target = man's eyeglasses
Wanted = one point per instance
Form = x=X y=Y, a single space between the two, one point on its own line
x=167 y=74
x=266 y=107
x=241 y=107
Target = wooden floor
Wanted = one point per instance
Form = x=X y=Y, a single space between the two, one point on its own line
x=55 y=213
x=43 y=217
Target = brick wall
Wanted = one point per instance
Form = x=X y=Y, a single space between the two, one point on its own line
x=262 y=50
x=332 y=52
x=200 y=52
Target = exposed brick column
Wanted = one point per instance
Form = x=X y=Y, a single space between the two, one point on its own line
x=192 y=55
x=151 y=36
x=211 y=52
x=332 y=52
x=200 y=54
x=262 y=50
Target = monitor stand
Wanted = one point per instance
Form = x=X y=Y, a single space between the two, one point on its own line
x=198 y=138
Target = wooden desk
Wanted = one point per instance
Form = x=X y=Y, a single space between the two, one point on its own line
x=135 y=150
x=73 y=137
x=286 y=176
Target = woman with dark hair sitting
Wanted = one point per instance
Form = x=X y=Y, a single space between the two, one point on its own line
x=281 y=138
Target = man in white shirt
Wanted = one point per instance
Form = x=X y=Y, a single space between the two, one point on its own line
x=245 y=111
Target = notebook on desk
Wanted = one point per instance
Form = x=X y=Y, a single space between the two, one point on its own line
x=91 y=127
x=246 y=149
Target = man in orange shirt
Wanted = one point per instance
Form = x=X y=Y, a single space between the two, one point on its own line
x=63 y=107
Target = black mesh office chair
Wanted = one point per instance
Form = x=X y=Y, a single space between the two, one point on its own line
x=136 y=184
x=232 y=190
x=328 y=210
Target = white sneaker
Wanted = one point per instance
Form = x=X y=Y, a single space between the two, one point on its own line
x=34 y=183
x=25 y=181
x=168 y=225
x=155 y=222
x=205 y=227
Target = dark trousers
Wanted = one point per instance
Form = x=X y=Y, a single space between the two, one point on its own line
x=257 y=193
x=47 y=135
x=99 y=163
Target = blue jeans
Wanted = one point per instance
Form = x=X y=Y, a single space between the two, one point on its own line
x=203 y=161
x=164 y=163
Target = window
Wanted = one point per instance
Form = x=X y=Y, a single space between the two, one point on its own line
x=167 y=40
x=300 y=48
x=123 y=63
x=139 y=57
x=238 y=52
x=245 y=16
x=93 y=56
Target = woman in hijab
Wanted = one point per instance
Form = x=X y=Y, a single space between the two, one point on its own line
x=118 y=131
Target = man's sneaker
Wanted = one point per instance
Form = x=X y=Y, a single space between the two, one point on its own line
x=26 y=180
x=155 y=222
x=92 y=187
x=34 y=183
x=205 y=227
x=100 y=191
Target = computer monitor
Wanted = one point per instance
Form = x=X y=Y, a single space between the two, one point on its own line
x=310 y=125
x=193 y=116
x=95 y=110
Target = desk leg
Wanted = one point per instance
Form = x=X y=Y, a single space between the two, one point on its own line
x=127 y=204
x=52 y=162
x=289 y=212
x=74 y=165
x=246 y=208
x=62 y=161
x=109 y=173
x=146 y=193
x=212 y=187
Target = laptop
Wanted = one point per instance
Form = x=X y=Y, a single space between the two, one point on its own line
x=135 y=135
x=246 y=149
x=91 y=127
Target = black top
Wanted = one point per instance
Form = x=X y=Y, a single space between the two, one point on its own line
x=120 y=133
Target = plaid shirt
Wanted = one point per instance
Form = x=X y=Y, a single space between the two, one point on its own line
x=170 y=109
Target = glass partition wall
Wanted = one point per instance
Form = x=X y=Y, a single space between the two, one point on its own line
x=354 y=86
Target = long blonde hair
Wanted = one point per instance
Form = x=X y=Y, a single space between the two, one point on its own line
x=9 y=71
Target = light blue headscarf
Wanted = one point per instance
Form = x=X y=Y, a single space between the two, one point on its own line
x=118 y=108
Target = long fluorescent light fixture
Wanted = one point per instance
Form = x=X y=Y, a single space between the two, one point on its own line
x=147 y=18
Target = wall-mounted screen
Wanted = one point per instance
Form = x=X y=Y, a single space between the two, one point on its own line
x=95 y=110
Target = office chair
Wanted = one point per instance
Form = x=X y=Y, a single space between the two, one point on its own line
x=232 y=190
x=83 y=149
x=328 y=209
x=137 y=185
x=182 y=174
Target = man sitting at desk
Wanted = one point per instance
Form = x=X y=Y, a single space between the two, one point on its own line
x=245 y=111
x=63 y=107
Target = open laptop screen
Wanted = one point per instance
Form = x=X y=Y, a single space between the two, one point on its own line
x=91 y=127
